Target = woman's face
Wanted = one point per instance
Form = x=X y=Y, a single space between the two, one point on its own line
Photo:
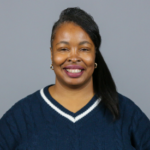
x=73 y=55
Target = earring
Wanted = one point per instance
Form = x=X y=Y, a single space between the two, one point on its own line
x=51 y=66
x=95 y=65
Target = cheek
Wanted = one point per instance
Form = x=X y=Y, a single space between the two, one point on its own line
x=58 y=59
x=89 y=60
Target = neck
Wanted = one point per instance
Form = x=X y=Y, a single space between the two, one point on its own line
x=72 y=97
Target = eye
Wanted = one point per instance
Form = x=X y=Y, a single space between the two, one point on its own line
x=63 y=49
x=84 y=49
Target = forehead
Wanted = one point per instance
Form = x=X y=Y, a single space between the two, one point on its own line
x=70 y=31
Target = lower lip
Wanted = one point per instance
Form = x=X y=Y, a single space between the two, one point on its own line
x=74 y=75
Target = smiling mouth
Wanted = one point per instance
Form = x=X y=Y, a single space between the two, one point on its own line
x=74 y=70
x=74 y=73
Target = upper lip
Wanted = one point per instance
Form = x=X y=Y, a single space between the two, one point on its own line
x=73 y=67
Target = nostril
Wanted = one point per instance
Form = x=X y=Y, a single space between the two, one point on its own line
x=73 y=59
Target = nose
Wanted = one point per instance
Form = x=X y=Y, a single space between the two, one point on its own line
x=74 y=56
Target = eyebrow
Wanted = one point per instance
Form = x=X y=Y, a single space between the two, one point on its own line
x=84 y=42
x=64 y=42
x=81 y=43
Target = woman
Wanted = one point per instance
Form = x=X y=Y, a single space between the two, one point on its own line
x=82 y=110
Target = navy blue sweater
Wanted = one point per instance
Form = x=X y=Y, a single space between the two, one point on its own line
x=39 y=122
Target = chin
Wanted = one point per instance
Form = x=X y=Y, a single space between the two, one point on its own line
x=76 y=83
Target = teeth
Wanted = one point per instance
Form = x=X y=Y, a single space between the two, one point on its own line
x=73 y=70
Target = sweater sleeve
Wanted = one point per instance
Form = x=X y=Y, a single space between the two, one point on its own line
x=140 y=135
x=7 y=133
x=9 y=129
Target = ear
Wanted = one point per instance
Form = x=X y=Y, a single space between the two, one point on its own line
x=51 y=53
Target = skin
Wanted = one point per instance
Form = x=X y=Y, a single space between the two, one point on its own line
x=72 y=46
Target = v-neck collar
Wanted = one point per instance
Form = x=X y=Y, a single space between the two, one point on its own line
x=73 y=117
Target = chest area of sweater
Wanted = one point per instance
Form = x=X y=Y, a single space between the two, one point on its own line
x=92 y=135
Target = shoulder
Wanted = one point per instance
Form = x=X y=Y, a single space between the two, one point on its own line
x=129 y=110
x=18 y=120
x=124 y=100
x=22 y=104
x=127 y=103
x=134 y=122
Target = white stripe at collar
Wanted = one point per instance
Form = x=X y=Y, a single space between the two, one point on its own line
x=73 y=119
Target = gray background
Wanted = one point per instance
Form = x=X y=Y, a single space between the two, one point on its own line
x=25 y=28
